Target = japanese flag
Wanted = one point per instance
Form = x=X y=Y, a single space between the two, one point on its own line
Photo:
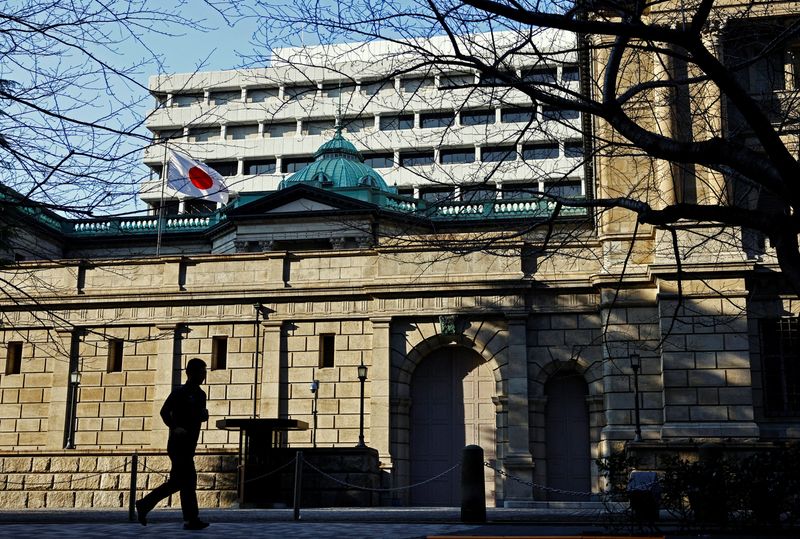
x=195 y=179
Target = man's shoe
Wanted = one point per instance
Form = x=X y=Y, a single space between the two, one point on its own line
x=195 y=525
x=141 y=513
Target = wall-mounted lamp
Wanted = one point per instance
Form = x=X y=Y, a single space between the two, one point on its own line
x=636 y=364
x=362 y=377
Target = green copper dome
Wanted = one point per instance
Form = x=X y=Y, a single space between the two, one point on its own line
x=337 y=164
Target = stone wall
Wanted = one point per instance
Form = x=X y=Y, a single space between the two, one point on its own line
x=102 y=479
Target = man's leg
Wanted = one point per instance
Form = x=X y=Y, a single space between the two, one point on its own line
x=170 y=486
x=187 y=483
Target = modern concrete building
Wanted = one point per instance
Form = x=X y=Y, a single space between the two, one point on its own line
x=420 y=262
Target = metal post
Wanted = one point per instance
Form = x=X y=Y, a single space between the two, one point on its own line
x=638 y=432
x=473 y=493
x=314 y=407
x=298 y=483
x=132 y=496
x=362 y=376
x=257 y=307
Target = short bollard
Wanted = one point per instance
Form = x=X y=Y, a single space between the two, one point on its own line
x=473 y=495
x=132 y=491
x=298 y=484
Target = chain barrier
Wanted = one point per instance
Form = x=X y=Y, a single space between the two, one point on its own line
x=276 y=470
x=535 y=485
x=146 y=468
x=72 y=479
x=392 y=489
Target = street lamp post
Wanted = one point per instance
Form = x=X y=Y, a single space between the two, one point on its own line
x=362 y=377
x=636 y=364
x=74 y=382
x=314 y=391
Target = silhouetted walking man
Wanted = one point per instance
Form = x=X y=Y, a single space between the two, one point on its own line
x=184 y=411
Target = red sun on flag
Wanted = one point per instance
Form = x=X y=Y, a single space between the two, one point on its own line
x=200 y=178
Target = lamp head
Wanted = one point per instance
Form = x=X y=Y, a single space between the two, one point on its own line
x=314 y=386
x=75 y=377
x=362 y=372
x=636 y=361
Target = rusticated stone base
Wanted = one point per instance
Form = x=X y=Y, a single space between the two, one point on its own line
x=83 y=479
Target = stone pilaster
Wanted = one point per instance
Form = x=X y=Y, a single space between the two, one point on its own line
x=517 y=459
x=380 y=370
x=271 y=368
x=167 y=375
x=59 y=395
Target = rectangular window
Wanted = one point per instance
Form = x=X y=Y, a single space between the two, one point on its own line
x=318 y=127
x=780 y=364
x=219 y=352
x=225 y=168
x=436 y=119
x=564 y=189
x=327 y=343
x=288 y=129
x=573 y=148
x=14 y=357
x=168 y=134
x=379 y=160
x=553 y=113
x=204 y=134
x=514 y=191
x=570 y=73
x=521 y=114
x=199 y=207
x=416 y=84
x=492 y=80
x=405 y=191
x=497 y=154
x=370 y=88
x=115 y=353
x=187 y=100
x=539 y=74
x=338 y=89
x=456 y=81
x=415 y=159
x=436 y=194
x=356 y=125
x=260 y=166
x=533 y=152
x=478 y=193
x=392 y=123
x=293 y=164
x=259 y=95
x=241 y=132
x=299 y=92
x=449 y=157
x=477 y=117
x=223 y=98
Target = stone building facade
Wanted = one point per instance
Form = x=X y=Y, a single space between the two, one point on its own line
x=520 y=342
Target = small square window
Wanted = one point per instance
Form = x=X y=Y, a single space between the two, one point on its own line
x=392 y=123
x=219 y=352
x=115 y=354
x=327 y=343
x=573 y=148
x=570 y=73
x=14 y=357
x=540 y=151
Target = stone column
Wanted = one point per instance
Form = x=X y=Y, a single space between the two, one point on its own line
x=59 y=395
x=271 y=368
x=518 y=461
x=167 y=375
x=379 y=380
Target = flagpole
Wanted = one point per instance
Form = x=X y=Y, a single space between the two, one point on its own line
x=161 y=204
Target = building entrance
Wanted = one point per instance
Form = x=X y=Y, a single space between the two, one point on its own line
x=567 y=436
x=451 y=406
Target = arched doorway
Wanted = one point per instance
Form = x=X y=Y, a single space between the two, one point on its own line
x=451 y=406
x=567 y=436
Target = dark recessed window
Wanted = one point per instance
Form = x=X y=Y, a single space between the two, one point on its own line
x=225 y=168
x=492 y=80
x=780 y=364
x=198 y=206
x=241 y=132
x=187 y=100
x=496 y=154
x=219 y=352
x=115 y=354
x=223 y=98
x=405 y=191
x=478 y=193
x=392 y=123
x=512 y=191
x=287 y=129
x=355 y=125
x=259 y=95
x=370 y=88
x=553 y=113
x=477 y=117
x=204 y=134
x=436 y=194
x=573 y=148
x=299 y=92
x=337 y=89
x=171 y=207
x=317 y=127
x=260 y=166
x=570 y=73
x=449 y=157
x=456 y=81
x=327 y=343
x=564 y=189
x=532 y=152
x=379 y=160
x=13 y=357
x=415 y=159
x=168 y=134
x=416 y=84
x=293 y=164
x=539 y=74
x=436 y=119
x=522 y=114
